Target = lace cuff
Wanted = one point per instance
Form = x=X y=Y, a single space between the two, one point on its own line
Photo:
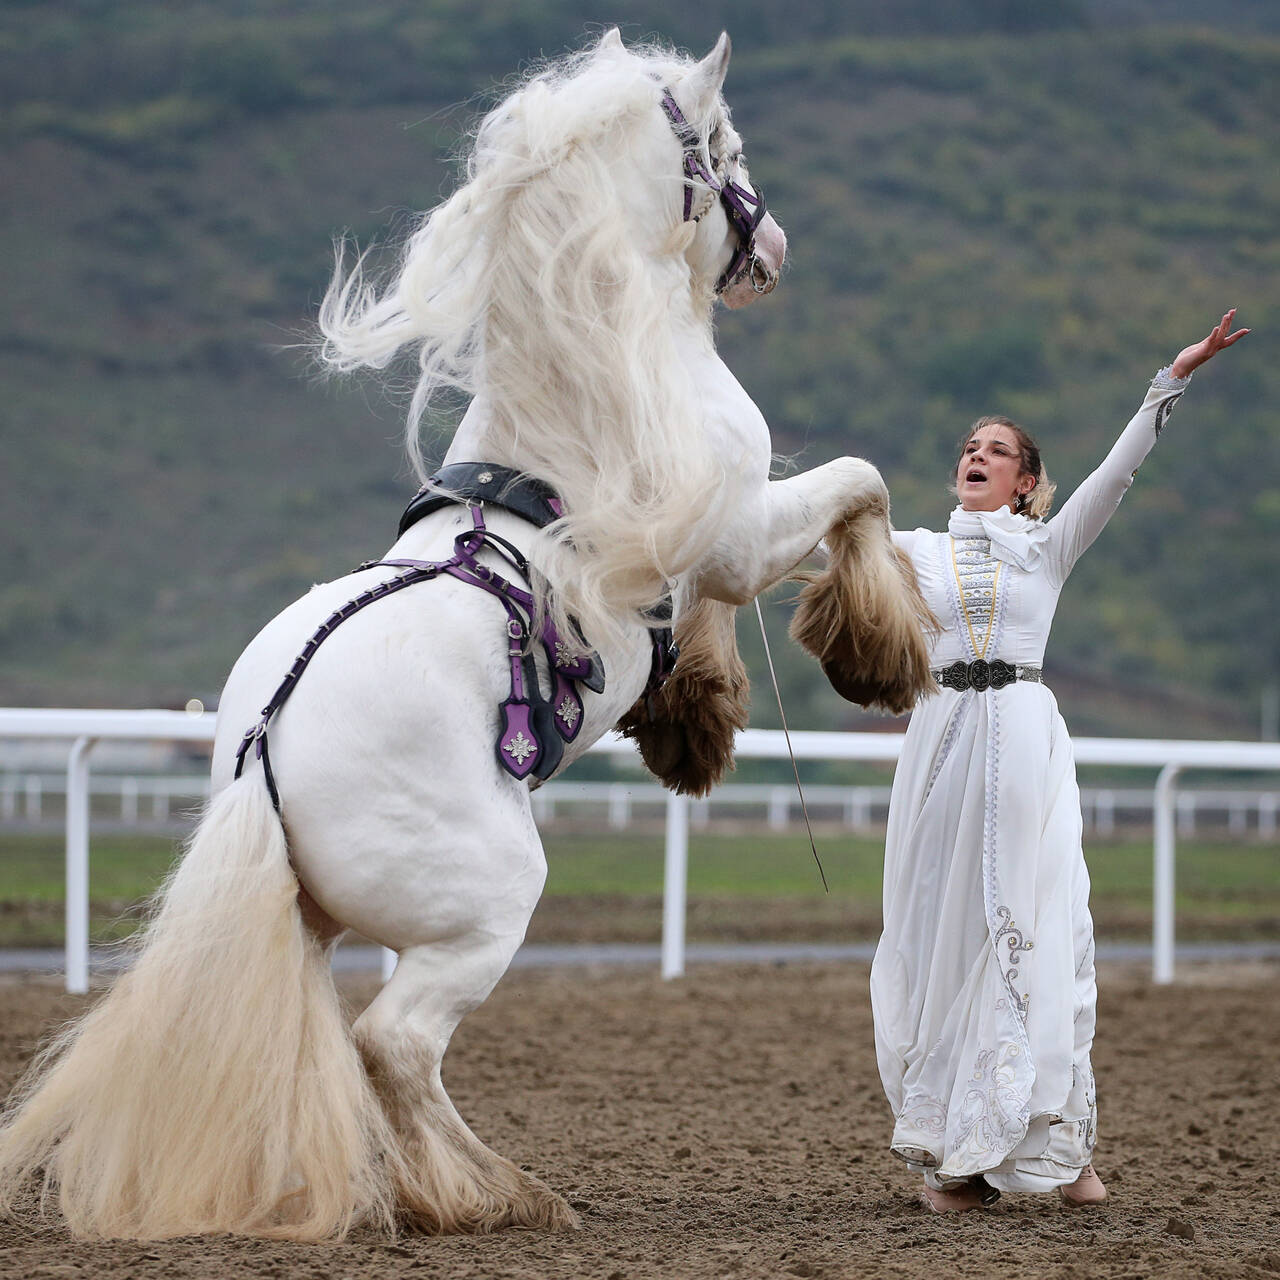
x=1166 y=381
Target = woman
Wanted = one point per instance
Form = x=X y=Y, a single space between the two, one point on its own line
x=983 y=983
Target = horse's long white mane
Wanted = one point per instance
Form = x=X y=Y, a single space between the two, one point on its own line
x=547 y=286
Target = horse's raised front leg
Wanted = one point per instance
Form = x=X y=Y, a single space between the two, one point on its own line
x=445 y=1179
x=781 y=522
x=862 y=617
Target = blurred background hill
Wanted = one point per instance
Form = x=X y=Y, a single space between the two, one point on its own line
x=992 y=206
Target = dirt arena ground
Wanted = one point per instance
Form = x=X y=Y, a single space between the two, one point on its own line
x=731 y=1125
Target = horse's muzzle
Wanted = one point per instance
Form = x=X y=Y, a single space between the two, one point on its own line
x=762 y=279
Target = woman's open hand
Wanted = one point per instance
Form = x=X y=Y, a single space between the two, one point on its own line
x=1194 y=356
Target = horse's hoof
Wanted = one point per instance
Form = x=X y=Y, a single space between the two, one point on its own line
x=851 y=687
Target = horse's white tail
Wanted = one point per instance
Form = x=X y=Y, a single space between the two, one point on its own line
x=216 y=1087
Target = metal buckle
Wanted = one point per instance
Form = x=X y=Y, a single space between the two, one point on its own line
x=1002 y=673
x=979 y=675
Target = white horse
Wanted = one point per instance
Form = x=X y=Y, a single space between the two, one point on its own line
x=566 y=287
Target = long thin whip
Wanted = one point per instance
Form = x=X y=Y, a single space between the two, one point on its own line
x=795 y=768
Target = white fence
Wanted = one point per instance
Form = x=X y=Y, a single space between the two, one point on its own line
x=139 y=799
x=85 y=728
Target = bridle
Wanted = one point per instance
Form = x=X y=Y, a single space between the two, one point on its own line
x=744 y=208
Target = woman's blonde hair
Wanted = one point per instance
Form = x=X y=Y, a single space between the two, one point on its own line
x=1037 y=503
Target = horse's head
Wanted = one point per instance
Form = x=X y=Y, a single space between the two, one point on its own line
x=688 y=178
x=605 y=204
x=738 y=243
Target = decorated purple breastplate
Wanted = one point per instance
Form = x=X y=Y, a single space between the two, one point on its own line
x=533 y=728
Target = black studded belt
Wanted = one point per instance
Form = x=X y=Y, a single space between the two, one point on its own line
x=982 y=675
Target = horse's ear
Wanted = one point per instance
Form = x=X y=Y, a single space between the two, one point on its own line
x=707 y=78
x=610 y=43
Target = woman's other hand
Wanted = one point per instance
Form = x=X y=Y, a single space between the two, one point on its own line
x=1192 y=357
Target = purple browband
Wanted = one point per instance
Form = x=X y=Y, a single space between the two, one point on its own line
x=744 y=208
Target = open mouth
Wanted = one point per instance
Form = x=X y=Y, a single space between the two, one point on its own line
x=975 y=476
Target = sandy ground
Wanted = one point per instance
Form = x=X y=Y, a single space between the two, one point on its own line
x=731 y=1124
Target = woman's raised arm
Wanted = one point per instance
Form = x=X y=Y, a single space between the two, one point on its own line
x=1084 y=515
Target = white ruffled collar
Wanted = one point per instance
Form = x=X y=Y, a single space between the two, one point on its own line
x=1014 y=539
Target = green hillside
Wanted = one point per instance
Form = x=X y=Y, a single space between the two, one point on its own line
x=991 y=206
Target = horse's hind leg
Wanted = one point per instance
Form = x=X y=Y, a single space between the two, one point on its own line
x=446 y=1179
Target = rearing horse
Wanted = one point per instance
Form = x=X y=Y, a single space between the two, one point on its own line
x=608 y=470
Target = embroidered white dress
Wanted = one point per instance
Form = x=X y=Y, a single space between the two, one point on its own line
x=983 y=982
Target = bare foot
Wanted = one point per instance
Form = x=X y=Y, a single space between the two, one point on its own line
x=963 y=1197
x=1085 y=1191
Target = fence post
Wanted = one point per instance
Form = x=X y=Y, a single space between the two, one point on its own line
x=1163 y=876
x=77 y=924
x=1104 y=813
x=619 y=805
x=1267 y=817
x=129 y=801
x=1237 y=818
x=858 y=811
x=779 y=808
x=674 y=879
x=1187 y=814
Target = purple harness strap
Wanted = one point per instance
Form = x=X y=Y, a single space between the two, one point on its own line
x=533 y=730
x=744 y=208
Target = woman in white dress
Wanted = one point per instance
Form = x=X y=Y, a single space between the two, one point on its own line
x=983 y=982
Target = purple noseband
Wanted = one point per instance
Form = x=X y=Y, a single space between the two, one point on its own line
x=744 y=208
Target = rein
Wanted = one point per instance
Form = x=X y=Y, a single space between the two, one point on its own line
x=744 y=208
x=533 y=729
x=795 y=768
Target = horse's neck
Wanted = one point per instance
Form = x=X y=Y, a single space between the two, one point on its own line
x=735 y=425
x=469 y=442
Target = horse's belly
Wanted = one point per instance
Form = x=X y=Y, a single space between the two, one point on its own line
x=400 y=821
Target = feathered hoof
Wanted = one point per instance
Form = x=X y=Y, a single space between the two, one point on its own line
x=853 y=687
x=663 y=746
x=686 y=731
x=522 y=1203
x=897 y=696
x=865 y=620
x=544 y=1211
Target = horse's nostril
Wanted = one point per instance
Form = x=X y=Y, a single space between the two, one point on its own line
x=762 y=279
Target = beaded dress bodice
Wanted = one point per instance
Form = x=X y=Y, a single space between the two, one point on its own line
x=977 y=575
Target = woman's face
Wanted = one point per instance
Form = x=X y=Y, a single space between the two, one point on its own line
x=990 y=474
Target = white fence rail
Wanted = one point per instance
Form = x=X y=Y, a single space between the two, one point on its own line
x=85 y=728
x=141 y=798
